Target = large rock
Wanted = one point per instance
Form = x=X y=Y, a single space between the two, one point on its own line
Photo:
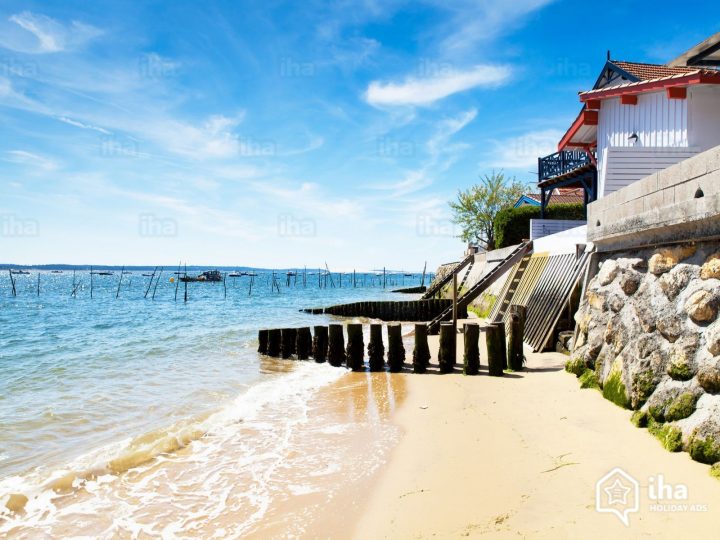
x=608 y=272
x=645 y=315
x=674 y=281
x=670 y=326
x=646 y=344
x=665 y=259
x=615 y=302
x=681 y=365
x=616 y=334
x=630 y=281
x=596 y=300
x=711 y=267
x=712 y=338
x=708 y=377
x=701 y=307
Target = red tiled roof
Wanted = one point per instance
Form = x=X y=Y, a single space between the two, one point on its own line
x=695 y=76
x=647 y=72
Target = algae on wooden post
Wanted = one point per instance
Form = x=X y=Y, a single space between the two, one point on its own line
x=287 y=342
x=396 y=350
x=355 y=347
x=320 y=344
x=515 y=357
x=274 y=338
x=262 y=341
x=496 y=351
x=303 y=343
x=448 y=344
x=376 y=349
x=471 y=357
x=421 y=352
x=336 y=345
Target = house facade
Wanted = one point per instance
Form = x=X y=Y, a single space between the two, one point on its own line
x=637 y=118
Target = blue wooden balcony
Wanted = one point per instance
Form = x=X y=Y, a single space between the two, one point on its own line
x=561 y=163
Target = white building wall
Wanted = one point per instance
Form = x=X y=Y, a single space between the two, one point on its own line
x=539 y=228
x=704 y=116
x=657 y=121
x=628 y=165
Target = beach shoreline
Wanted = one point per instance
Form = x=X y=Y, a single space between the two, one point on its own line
x=520 y=456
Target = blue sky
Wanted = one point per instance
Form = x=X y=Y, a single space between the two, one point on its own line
x=287 y=133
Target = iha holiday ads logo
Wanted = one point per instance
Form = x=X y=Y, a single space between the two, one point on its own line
x=619 y=493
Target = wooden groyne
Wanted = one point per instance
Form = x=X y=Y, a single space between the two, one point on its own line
x=329 y=343
x=410 y=311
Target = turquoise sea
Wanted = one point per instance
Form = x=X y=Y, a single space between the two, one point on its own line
x=91 y=388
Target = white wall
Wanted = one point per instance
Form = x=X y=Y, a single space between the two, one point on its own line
x=540 y=228
x=628 y=165
x=657 y=120
x=704 y=116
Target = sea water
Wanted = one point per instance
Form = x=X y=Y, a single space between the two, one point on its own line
x=124 y=415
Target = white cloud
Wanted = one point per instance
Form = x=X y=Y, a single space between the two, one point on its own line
x=23 y=157
x=524 y=150
x=424 y=91
x=81 y=125
x=475 y=22
x=39 y=34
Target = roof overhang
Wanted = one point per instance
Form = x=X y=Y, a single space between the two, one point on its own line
x=583 y=131
x=706 y=53
x=654 y=85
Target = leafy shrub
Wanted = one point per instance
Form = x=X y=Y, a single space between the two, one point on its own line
x=513 y=224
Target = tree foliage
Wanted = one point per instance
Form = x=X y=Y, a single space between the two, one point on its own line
x=476 y=208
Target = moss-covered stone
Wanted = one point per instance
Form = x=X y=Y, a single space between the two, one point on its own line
x=715 y=470
x=643 y=385
x=669 y=436
x=680 y=371
x=576 y=366
x=639 y=419
x=588 y=379
x=681 y=407
x=614 y=389
x=704 y=449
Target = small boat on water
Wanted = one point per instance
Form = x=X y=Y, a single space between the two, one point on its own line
x=104 y=273
x=208 y=276
x=148 y=275
x=20 y=272
x=56 y=271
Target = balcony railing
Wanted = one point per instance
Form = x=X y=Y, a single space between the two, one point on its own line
x=560 y=163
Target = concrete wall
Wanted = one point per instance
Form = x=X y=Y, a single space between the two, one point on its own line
x=680 y=203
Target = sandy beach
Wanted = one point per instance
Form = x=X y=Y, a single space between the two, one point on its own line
x=519 y=456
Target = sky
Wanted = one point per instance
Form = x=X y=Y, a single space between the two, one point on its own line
x=284 y=134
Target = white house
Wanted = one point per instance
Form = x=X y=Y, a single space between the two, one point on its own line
x=637 y=119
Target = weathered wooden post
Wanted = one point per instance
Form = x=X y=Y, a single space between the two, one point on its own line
x=336 y=345
x=516 y=331
x=274 y=338
x=448 y=347
x=471 y=359
x=320 y=344
x=376 y=349
x=496 y=351
x=396 y=350
x=303 y=342
x=355 y=347
x=262 y=341
x=287 y=342
x=421 y=352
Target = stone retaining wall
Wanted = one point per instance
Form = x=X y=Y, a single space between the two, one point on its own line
x=648 y=335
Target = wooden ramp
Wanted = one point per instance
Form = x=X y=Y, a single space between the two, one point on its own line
x=440 y=283
x=476 y=290
x=544 y=289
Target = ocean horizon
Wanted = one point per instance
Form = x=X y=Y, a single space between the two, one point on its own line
x=95 y=389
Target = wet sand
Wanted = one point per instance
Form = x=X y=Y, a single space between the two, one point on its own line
x=520 y=456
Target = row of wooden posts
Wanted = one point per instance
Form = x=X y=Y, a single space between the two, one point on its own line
x=409 y=310
x=327 y=343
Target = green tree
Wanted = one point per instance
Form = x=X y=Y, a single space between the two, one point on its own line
x=476 y=208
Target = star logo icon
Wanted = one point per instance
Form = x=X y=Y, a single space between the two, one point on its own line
x=617 y=492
